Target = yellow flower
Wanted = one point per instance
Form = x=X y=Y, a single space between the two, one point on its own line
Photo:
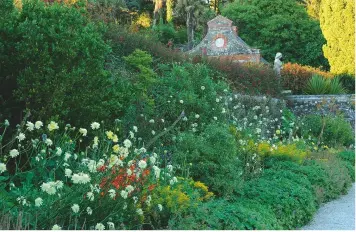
x=115 y=139
x=109 y=134
x=278 y=132
x=52 y=126
x=116 y=148
x=316 y=148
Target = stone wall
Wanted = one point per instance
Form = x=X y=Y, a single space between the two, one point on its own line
x=323 y=105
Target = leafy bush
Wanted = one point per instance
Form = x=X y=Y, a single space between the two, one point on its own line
x=221 y=214
x=299 y=37
x=166 y=32
x=290 y=151
x=323 y=181
x=250 y=78
x=348 y=81
x=286 y=193
x=213 y=156
x=296 y=76
x=55 y=59
x=349 y=158
x=319 y=85
x=108 y=183
x=335 y=132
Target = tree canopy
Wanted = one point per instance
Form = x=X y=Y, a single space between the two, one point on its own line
x=337 y=20
x=279 y=26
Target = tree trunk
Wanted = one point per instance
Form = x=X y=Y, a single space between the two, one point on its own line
x=156 y=11
x=190 y=27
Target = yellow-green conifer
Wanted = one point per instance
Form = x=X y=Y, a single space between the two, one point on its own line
x=337 y=21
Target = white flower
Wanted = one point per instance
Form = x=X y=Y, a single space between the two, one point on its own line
x=185 y=119
x=129 y=172
x=170 y=168
x=80 y=178
x=49 y=188
x=153 y=132
x=148 y=200
x=255 y=117
x=139 y=211
x=132 y=135
x=152 y=160
x=258 y=130
x=68 y=172
x=52 y=126
x=38 y=202
x=56 y=227
x=7 y=123
x=151 y=121
x=202 y=87
x=111 y=226
x=135 y=128
x=181 y=101
x=38 y=125
x=112 y=193
x=174 y=180
x=59 y=151
x=83 y=131
x=135 y=199
x=89 y=211
x=157 y=171
x=59 y=184
x=142 y=164
x=124 y=152
x=92 y=166
x=197 y=116
x=30 y=126
x=95 y=125
x=67 y=156
x=215 y=118
x=127 y=143
x=96 y=142
x=160 y=207
x=99 y=226
x=129 y=188
x=75 y=208
x=21 y=137
x=114 y=160
x=124 y=194
x=49 y=142
x=90 y=196
x=2 y=167
x=22 y=200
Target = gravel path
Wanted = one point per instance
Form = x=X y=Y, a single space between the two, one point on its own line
x=335 y=215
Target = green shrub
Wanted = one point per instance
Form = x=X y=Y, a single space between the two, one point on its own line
x=337 y=131
x=320 y=85
x=221 y=214
x=287 y=193
x=55 y=61
x=323 y=181
x=348 y=156
x=213 y=156
x=348 y=81
x=165 y=32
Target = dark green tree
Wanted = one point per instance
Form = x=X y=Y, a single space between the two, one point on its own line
x=279 y=26
x=52 y=62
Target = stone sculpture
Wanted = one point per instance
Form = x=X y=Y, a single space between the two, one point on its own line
x=278 y=64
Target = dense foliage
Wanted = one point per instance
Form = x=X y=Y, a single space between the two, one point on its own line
x=127 y=133
x=279 y=26
x=336 y=21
